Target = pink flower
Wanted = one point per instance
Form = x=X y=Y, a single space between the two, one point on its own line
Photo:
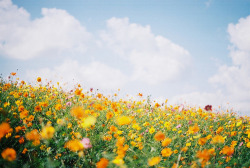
x=178 y=126
x=68 y=104
x=86 y=143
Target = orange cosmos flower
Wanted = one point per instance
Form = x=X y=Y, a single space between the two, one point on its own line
x=38 y=108
x=159 y=136
x=39 y=79
x=9 y=154
x=228 y=150
x=32 y=135
x=109 y=115
x=202 y=141
x=74 y=145
x=78 y=112
x=218 y=139
x=166 y=152
x=203 y=155
x=13 y=73
x=4 y=129
x=154 y=161
x=166 y=142
x=193 y=129
x=103 y=163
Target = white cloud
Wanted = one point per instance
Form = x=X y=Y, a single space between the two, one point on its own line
x=54 y=33
x=95 y=74
x=154 y=58
x=232 y=82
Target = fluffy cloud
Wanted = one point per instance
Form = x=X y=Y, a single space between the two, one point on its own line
x=232 y=83
x=95 y=74
x=154 y=58
x=54 y=33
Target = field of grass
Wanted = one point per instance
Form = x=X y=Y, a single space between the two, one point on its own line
x=42 y=126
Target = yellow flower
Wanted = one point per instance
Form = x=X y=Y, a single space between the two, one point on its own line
x=151 y=130
x=118 y=161
x=188 y=144
x=48 y=132
x=123 y=120
x=87 y=122
x=154 y=161
x=78 y=112
x=248 y=144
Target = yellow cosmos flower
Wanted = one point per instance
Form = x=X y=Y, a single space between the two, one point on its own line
x=154 y=161
x=87 y=122
x=123 y=120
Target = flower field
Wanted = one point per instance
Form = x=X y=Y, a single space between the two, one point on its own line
x=43 y=126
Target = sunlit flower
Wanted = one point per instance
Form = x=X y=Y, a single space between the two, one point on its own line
x=218 y=139
x=123 y=120
x=78 y=112
x=87 y=122
x=166 y=152
x=74 y=145
x=159 y=136
x=154 y=161
x=48 y=132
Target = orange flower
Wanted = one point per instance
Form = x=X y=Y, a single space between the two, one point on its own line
x=227 y=150
x=217 y=139
x=9 y=154
x=166 y=142
x=154 y=161
x=109 y=115
x=21 y=140
x=78 y=112
x=32 y=135
x=4 y=129
x=24 y=114
x=193 y=129
x=13 y=73
x=202 y=141
x=123 y=120
x=159 y=136
x=58 y=106
x=103 y=163
x=203 y=155
x=166 y=152
x=219 y=130
x=74 y=145
x=78 y=92
x=38 y=108
x=39 y=79
x=24 y=150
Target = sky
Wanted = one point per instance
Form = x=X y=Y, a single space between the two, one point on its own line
x=191 y=52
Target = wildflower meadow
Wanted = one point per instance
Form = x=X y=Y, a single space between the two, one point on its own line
x=42 y=125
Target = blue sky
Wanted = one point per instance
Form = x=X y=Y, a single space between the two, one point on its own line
x=193 y=52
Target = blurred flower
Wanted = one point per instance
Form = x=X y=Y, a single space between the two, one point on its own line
x=86 y=143
x=154 y=161
x=103 y=163
x=78 y=112
x=87 y=122
x=9 y=154
x=39 y=79
x=208 y=108
x=218 y=139
x=166 y=142
x=159 y=136
x=4 y=129
x=166 y=152
x=74 y=145
x=123 y=120
x=48 y=132
x=68 y=103
x=178 y=126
